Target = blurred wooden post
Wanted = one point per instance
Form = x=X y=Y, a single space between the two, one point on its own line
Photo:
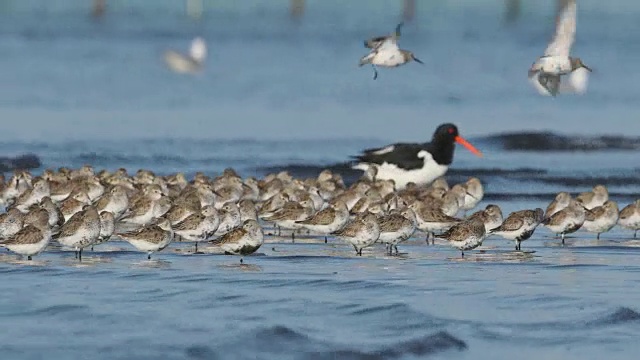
x=562 y=4
x=512 y=12
x=297 y=8
x=99 y=7
x=408 y=10
x=194 y=8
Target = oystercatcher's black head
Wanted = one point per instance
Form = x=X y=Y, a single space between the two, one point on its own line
x=444 y=138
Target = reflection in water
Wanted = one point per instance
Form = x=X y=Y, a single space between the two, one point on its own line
x=152 y=264
x=512 y=11
x=297 y=9
x=241 y=267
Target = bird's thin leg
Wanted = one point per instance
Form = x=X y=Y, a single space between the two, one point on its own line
x=80 y=255
x=196 y=247
x=562 y=238
x=76 y=253
x=29 y=257
x=375 y=72
x=293 y=236
x=325 y=239
x=148 y=256
x=396 y=247
x=241 y=260
x=598 y=236
x=462 y=254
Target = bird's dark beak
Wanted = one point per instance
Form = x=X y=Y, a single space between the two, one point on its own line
x=418 y=60
x=586 y=67
x=460 y=140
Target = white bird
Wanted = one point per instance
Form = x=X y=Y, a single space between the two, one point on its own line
x=386 y=53
x=191 y=63
x=549 y=69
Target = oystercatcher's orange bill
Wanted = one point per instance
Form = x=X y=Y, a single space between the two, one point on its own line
x=460 y=140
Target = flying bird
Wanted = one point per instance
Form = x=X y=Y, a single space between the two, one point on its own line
x=548 y=71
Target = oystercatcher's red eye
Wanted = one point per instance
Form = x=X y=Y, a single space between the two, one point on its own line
x=450 y=131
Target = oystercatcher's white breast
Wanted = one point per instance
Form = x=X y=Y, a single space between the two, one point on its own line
x=425 y=175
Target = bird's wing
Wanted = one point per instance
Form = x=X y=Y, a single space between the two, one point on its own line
x=375 y=42
x=27 y=235
x=401 y=154
x=71 y=226
x=512 y=223
x=230 y=237
x=189 y=223
x=565 y=31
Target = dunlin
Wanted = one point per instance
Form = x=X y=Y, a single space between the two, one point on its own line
x=602 y=218
x=33 y=196
x=388 y=54
x=290 y=214
x=10 y=223
x=115 y=201
x=396 y=227
x=491 y=216
x=141 y=212
x=519 y=225
x=198 y=227
x=417 y=163
x=567 y=220
x=107 y=227
x=74 y=203
x=430 y=220
x=466 y=235
x=247 y=210
x=596 y=197
x=150 y=238
x=56 y=217
x=474 y=192
x=362 y=232
x=182 y=208
x=324 y=222
x=33 y=238
x=81 y=230
x=556 y=60
x=229 y=218
x=244 y=240
x=560 y=202
x=630 y=217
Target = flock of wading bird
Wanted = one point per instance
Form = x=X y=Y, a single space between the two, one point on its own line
x=80 y=209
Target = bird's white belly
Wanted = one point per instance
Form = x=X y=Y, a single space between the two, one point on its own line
x=469 y=243
x=422 y=176
x=557 y=65
x=29 y=249
x=632 y=222
x=388 y=59
x=599 y=225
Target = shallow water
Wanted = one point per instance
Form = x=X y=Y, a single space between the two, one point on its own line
x=279 y=94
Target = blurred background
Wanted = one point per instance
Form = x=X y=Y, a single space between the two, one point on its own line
x=80 y=79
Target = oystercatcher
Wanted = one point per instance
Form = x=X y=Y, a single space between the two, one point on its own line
x=417 y=163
